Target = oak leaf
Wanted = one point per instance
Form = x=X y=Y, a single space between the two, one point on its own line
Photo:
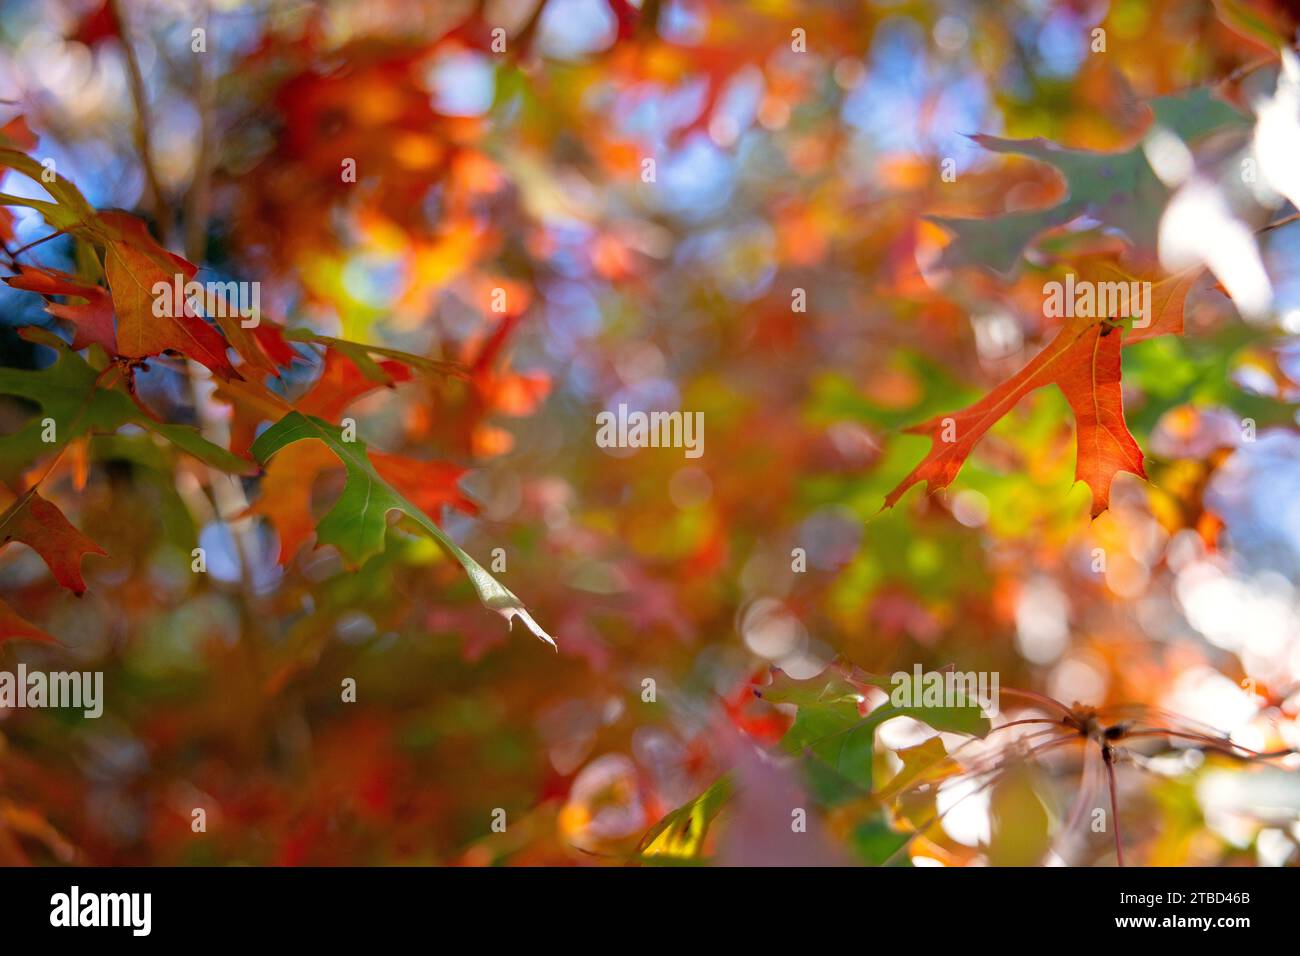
x=134 y=265
x=358 y=520
x=1118 y=189
x=75 y=400
x=41 y=526
x=285 y=499
x=92 y=320
x=1084 y=362
x=13 y=627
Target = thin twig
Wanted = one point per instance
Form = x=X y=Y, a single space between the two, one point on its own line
x=198 y=198
x=1109 y=758
x=1285 y=220
x=139 y=96
x=32 y=245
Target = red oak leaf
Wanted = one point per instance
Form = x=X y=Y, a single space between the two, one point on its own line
x=40 y=525
x=14 y=627
x=135 y=264
x=92 y=320
x=341 y=383
x=18 y=135
x=96 y=26
x=1083 y=361
x=285 y=499
x=427 y=484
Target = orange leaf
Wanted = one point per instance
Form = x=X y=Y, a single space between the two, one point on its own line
x=40 y=525
x=285 y=499
x=341 y=383
x=17 y=134
x=251 y=403
x=1090 y=379
x=427 y=484
x=1083 y=361
x=1168 y=301
x=134 y=264
x=92 y=320
x=14 y=627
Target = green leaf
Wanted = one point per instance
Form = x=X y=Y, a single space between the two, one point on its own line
x=361 y=355
x=1018 y=820
x=953 y=720
x=1118 y=189
x=69 y=209
x=820 y=691
x=878 y=843
x=923 y=762
x=357 y=522
x=829 y=727
x=1250 y=24
x=680 y=835
x=70 y=393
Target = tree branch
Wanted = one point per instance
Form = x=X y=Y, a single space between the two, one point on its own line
x=161 y=212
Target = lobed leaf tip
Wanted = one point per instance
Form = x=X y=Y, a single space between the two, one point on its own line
x=510 y=613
